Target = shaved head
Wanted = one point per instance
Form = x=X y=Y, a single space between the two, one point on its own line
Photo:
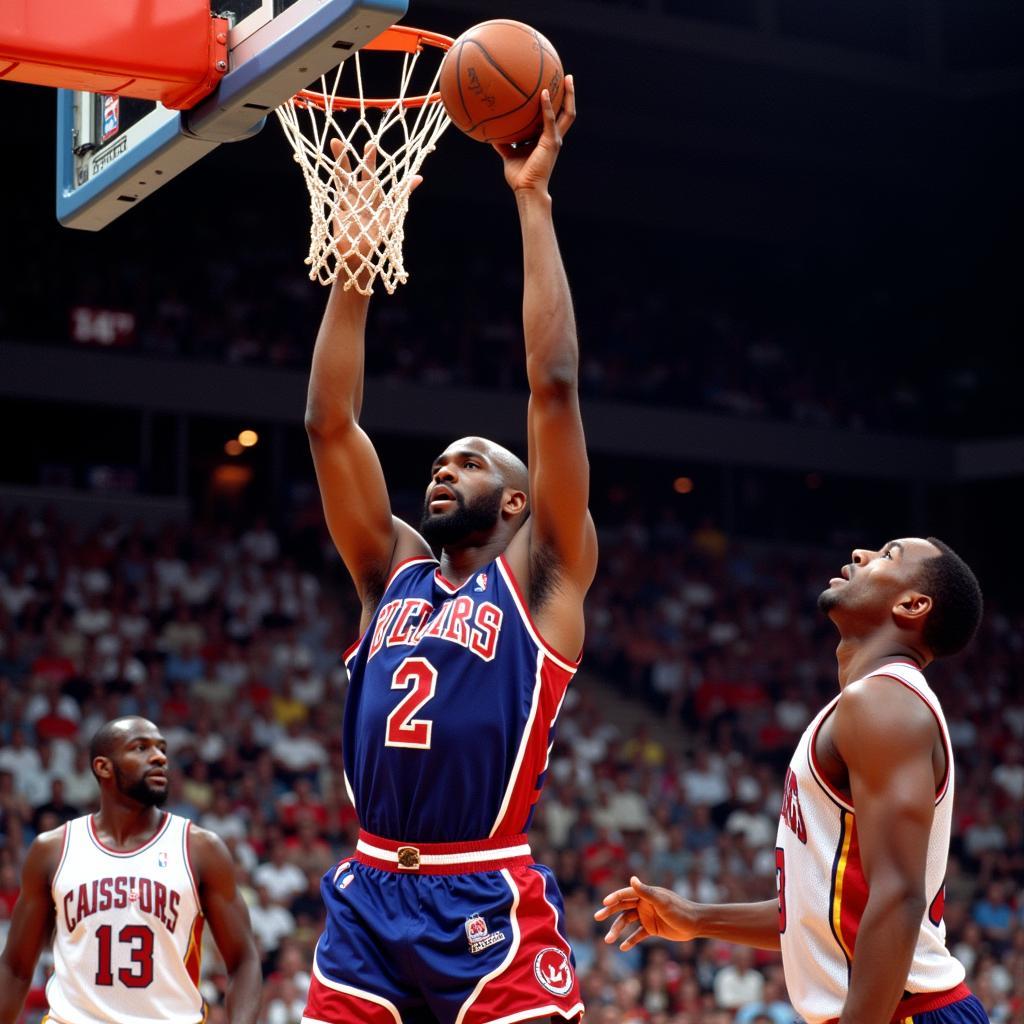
x=110 y=734
x=512 y=468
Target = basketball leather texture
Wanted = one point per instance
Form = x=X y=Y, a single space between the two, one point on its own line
x=492 y=77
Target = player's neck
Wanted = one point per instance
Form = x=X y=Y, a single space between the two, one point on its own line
x=459 y=563
x=859 y=657
x=124 y=824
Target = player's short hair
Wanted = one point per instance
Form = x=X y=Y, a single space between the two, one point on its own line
x=957 y=601
x=106 y=736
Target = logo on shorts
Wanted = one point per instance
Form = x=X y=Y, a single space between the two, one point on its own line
x=553 y=971
x=479 y=937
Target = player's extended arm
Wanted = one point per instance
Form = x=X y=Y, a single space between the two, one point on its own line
x=885 y=735
x=228 y=915
x=352 y=486
x=660 y=913
x=31 y=924
x=561 y=531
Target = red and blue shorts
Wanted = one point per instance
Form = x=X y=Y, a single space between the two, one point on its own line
x=454 y=933
x=966 y=1010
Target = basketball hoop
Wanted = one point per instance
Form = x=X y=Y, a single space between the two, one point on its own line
x=365 y=192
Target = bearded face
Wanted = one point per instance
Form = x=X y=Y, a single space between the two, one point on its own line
x=148 y=792
x=463 y=519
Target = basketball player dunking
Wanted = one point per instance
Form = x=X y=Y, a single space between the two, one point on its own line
x=440 y=914
x=125 y=893
x=866 y=815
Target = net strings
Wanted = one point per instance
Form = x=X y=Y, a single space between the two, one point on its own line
x=368 y=204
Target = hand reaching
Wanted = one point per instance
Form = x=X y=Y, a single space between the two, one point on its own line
x=659 y=912
x=361 y=217
x=528 y=165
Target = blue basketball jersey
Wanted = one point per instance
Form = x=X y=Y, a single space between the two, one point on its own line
x=451 y=708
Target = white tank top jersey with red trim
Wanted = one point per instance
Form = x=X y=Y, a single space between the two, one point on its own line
x=823 y=890
x=129 y=930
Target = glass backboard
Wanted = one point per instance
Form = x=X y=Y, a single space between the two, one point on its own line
x=113 y=151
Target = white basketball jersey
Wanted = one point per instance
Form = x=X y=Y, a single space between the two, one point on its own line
x=129 y=930
x=822 y=887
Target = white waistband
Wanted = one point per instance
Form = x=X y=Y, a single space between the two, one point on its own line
x=442 y=859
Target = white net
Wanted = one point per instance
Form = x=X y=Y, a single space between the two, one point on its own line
x=358 y=201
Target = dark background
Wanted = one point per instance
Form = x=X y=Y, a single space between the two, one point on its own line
x=843 y=180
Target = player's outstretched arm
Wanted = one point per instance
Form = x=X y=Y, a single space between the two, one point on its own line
x=886 y=736
x=560 y=533
x=352 y=486
x=648 y=911
x=228 y=915
x=32 y=923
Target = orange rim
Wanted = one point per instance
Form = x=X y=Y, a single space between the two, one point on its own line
x=397 y=39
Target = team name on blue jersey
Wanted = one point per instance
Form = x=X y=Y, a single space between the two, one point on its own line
x=461 y=620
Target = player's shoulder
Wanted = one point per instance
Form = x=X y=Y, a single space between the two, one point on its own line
x=883 y=706
x=883 y=687
x=202 y=840
x=45 y=851
x=53 y=839
x=207 y=851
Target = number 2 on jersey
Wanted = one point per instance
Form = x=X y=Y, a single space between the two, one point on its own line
x=141 y=956
x=403 y=729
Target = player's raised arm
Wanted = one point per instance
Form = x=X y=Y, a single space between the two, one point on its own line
x=561 y=533
x=32 y=924
x=225 y=909
x=349 y=473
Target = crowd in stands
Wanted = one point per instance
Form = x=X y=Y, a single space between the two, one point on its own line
x=230 y=640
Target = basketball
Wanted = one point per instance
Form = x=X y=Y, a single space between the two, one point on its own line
x=492 y=78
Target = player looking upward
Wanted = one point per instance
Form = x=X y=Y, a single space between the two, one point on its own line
x=441 y=914
x=866 y=816
x=125 y=893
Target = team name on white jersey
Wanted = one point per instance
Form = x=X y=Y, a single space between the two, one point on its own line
x=150 y=896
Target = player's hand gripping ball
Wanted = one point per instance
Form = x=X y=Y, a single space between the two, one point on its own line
x=492 y=78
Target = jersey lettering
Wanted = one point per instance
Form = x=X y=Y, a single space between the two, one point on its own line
x=404 y=626
x=791 y=813
x=439 y=621
x=405 y=622
x=384 y=617
x=484 y=639
x=458 y=621
x=152 y=897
